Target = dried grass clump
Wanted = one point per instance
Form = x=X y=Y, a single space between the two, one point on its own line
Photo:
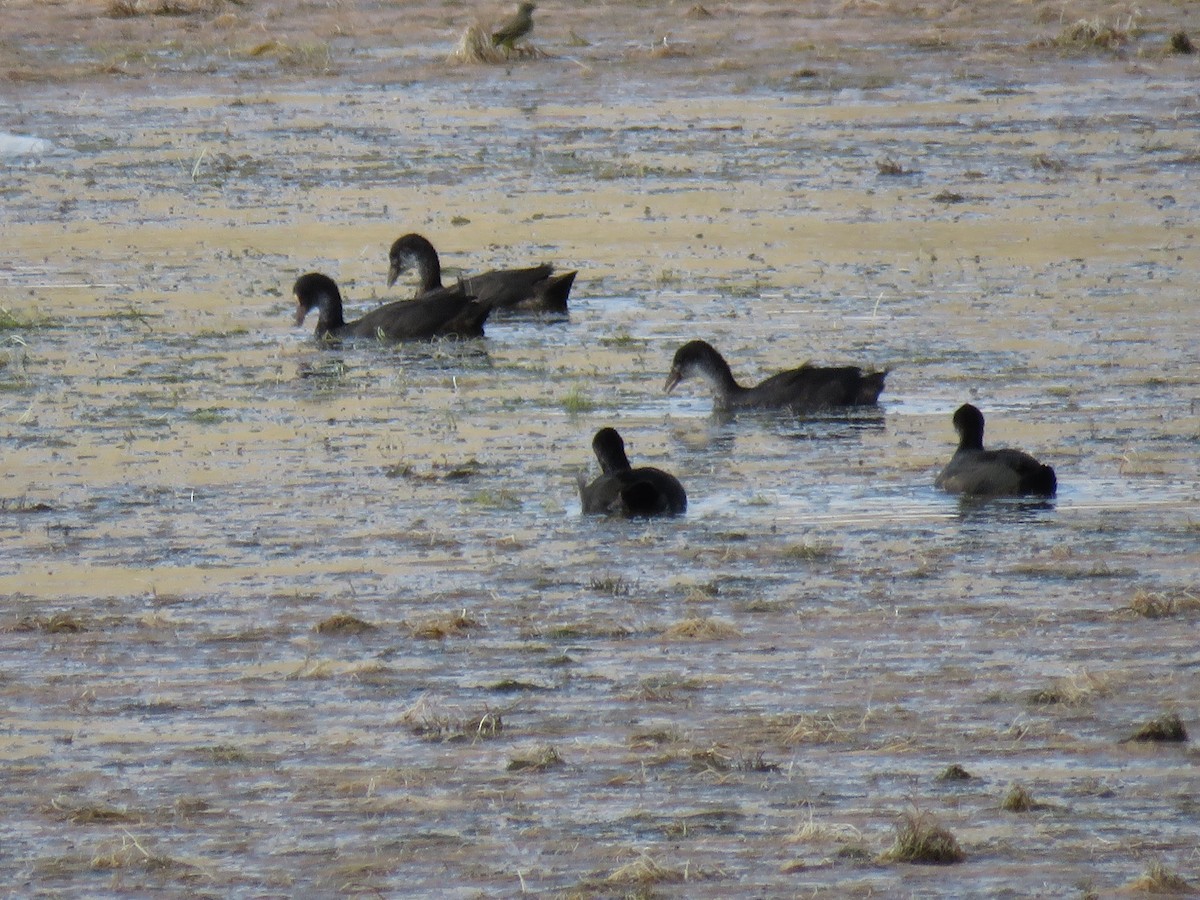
x=1096 y=35
x=475 y=47
x=1159 y=879
x=542 y=760
x=890 y=167
x=1018 y=799
x=130 y=9
x=1165 y=729
x=814 y=832
x=954 y=772
x=427 y=721
x=701 y=629
x=445 y=626
x=601 y=629
x=920 y=838
x=1072 y=690
x=821 y=728
x=1162 y=605
x=223 y=754
x=1181 y=43
x=90 y=813
x=130 y=853
x=646 y=870
x=711 y=760
x=315 y=57
x=59 y=623
x=343 y=623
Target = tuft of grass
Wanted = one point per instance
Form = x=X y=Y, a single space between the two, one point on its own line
x=11 y=321
x=820 y=728
x=645 y=871
x=316 y=58
x=1096 y=35
x=475 y=47
x=576 y=402
x=1166 y=728
x=1160 y=879
x=1073 y=690
x=425 y=721
x=1181 y=43
x=601 y=629
x=812 y=832
x=954 y=772
x=666 y=688
x=701 y=629
x=1162 y=605
x=542 y=760
x=921 y=839
x=59 y=623
x=24 y=505
x=441 y=627
x=343 y=624
x=130 y=853
x=1018 y=799
x=501 y=499
x=1047 y=163
x=621 y=339
x=211 y=415
x=90 y=814
x=655 y=738
x=131 y=313
x=223 y=754
x=131 y=9
x=891 y=168
x=612 y=586
x=807 y=552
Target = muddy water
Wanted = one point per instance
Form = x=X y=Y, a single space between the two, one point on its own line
x=191 y=488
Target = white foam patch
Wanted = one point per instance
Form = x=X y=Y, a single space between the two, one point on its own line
x=23 y=145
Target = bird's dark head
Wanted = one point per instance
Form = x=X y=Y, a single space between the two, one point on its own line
x=314 y=289
x=968 y=422
x=408 y=252
x=610 y=451
x=692 y=358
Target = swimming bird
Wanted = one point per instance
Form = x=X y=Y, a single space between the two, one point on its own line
x=991 y=473
x=450 y=311
x=536 y=289
x=805 y=389
x=515 y=27
x=625 y=491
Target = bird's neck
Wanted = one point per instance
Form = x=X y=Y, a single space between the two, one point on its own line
x=970 y=441
x=330 y=317
x=429 y=270
x=720 y=376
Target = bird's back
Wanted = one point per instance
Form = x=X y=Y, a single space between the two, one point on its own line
x=996 y=473
x=641 y=492
x=814 y=387
x=448 y=311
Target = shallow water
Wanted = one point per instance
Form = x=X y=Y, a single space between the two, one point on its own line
x=191 y=488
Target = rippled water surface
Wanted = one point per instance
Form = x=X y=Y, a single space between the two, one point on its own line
x=288 y=621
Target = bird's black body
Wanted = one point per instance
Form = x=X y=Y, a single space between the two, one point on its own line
x=534 y=289
x=974 y=471
x=445 y=313
x=806 y=389
x=622 y=490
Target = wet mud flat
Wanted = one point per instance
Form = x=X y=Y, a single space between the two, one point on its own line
x=281 y=620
